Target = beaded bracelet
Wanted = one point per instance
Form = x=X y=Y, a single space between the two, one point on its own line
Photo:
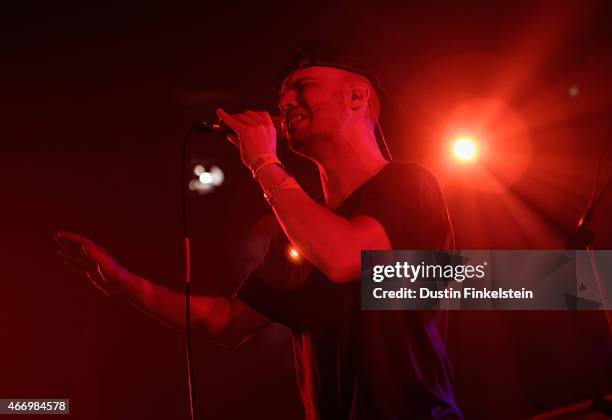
x=262 y=161
x=287 y=183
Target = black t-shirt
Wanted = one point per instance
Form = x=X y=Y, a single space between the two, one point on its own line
x=354 y=364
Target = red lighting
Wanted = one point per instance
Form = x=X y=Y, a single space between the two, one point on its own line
x=465 y=149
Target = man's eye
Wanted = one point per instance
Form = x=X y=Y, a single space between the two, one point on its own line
x=304 y=85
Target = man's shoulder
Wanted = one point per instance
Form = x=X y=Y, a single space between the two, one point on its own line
x=407 y=175
x=409 y=168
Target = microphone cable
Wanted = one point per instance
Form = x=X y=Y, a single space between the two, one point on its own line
x=383 y=141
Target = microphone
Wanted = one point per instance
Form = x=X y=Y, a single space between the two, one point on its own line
x=213 y=127
x=219 y=127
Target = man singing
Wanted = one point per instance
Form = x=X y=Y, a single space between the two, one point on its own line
x=351 y=364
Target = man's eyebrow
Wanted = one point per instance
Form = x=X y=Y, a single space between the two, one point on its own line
x=301 y=79
x=296 y=82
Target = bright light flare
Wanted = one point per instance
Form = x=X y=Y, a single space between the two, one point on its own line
x=574 y=91
x=206 y=181
x=198 y=170
x=293 y=254
x=465 y=149
x=206 y=178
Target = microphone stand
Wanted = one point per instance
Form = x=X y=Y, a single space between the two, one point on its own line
x=187 y=277
x=583 y=238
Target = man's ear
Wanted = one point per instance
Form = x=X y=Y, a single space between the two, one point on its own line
x=359 y=95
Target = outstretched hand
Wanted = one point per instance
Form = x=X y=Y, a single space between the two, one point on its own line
x=91 y=260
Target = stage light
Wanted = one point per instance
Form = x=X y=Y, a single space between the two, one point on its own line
x=206 y=178
x=293 y=254
x=198 y=170
x=217 y=175
x=573 y=91
x=465 y=149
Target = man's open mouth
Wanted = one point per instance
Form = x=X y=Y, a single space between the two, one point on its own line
x=294 y=120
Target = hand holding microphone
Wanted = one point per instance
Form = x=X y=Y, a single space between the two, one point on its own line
x=254 y=133
x=219 y=127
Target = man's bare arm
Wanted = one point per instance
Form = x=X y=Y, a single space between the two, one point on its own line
x=330 y=242
x=227 y=321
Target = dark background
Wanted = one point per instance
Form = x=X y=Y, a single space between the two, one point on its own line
x=98 y=97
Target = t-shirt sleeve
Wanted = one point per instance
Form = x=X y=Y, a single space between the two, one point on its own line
x=278 y=289
x=408 y=203
x=271 y=302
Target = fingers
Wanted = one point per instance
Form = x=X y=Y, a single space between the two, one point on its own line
x=71 y=242
x=255 y=133
x=234 y=122
x=81 y=244
x=77 y=252
x=98 y=280
x=81 y=256
x=72 y=249
x=259 y=116
x=267 y=118
x=78 y=269
x=244 y=119
x=63 y=236
x=240 y=121
x=234 y=139
x=93 y=276
x=76 y=259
